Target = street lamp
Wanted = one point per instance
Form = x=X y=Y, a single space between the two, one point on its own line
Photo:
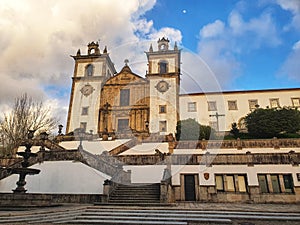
x=60 y=127
x=81 y=136
x=44 y=137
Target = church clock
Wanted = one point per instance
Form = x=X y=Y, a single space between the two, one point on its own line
x=162 y=86
x=87 y=89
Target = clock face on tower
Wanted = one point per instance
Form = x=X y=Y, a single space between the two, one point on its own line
x=87 y=89
x=162 y=86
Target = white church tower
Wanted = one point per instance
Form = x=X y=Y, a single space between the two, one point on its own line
x=164 y=76
x=90 y=73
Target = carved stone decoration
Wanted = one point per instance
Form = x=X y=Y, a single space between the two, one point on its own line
x=206 y=176
x=87 y=89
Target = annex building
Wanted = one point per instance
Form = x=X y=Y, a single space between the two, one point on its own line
x=129 y=121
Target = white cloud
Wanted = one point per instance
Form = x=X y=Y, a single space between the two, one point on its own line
x=37 y=39
x=213 y=29
x=291 y=66
x=294 y=7
x=221 y=44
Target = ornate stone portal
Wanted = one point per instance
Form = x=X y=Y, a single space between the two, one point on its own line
x=124 y=105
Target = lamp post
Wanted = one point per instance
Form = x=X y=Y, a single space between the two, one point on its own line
x=44 y=137
x=60 y=127
x=81 y=136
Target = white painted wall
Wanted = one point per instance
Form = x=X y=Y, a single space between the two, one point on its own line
x=242 y=98
x=251 y=172
x=60 y=177
x=167 y=98
x=92 y=101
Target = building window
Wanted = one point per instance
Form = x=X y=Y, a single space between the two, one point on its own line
x=231 y=182
x=274 y=103
x=288 y=183
x=253 y=104
x=89 y=70
x=232 y=105
x=124 y=97
x=276 y=183
x=263 y=183
x=296 y=102
x=219 y=183
x=162 y=126
x=192 y=107
x=212 y=106
x=83 y=126
x=163 y=67
x=162 y=109
x=85 y=111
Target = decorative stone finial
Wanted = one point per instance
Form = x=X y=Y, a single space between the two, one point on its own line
x=126 y=61
x=105 y=49
x=151 y=48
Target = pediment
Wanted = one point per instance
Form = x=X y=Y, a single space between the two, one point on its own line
x=126 y=77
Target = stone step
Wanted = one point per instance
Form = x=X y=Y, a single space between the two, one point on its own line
x=134 y=204
x=122 y=222
x=153 y=219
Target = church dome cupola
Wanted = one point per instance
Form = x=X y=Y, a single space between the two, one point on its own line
x=163 y=44
x=93 y=48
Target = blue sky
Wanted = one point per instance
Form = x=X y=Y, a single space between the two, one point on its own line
x=260 y=57
x=226 y=44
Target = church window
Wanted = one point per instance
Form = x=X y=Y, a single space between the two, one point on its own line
x=212 y=106
x=296 y=102
x=89 y=70
x=253 y=104
x=84 y=111
x=163 y=67
x=232 y=105
x=192 y=107
x=274 y=102
x=83 y=126
x=162 y=126
x=124 y=97
x=162 y=109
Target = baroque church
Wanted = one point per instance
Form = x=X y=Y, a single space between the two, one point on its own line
x=103 y=100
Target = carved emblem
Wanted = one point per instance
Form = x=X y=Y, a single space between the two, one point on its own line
x=87 y=89
x=206 y=176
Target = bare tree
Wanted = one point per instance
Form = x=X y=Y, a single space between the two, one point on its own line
x=25 y=115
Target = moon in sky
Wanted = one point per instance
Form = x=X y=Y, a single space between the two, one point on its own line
x=184 y=11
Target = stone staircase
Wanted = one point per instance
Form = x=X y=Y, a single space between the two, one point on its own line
x=125 y=215
x=135 y=194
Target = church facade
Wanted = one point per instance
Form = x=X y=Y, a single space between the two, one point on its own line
x=104 y=101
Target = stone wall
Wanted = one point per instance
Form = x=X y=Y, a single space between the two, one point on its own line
x=207 y=159
x=34 y=200
x=209 y=194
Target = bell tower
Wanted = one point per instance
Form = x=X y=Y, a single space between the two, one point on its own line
x=90 y=73
x=164 y=76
